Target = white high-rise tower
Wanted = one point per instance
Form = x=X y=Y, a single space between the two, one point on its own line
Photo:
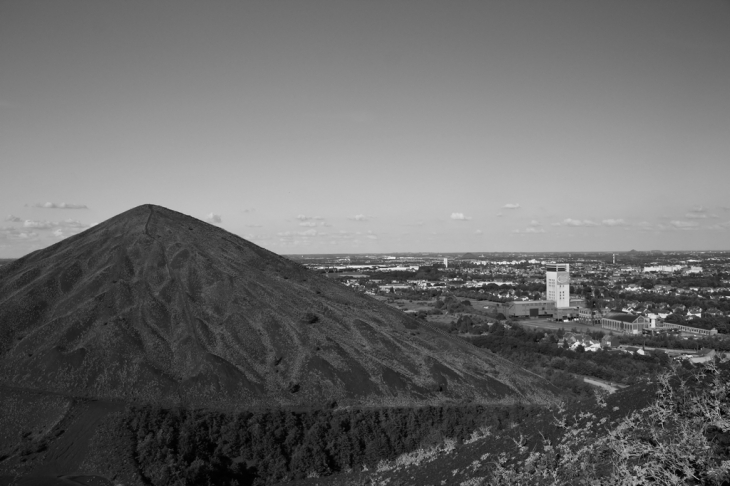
x=557 y=280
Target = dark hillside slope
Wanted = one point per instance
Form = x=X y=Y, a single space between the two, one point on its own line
x=153 y=305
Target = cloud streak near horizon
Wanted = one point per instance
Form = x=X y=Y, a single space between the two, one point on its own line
x=53 y=205
x=460 y=217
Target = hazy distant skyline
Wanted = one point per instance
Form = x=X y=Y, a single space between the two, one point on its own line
x=337 y=127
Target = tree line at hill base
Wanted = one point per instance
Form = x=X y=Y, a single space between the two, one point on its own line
x=179 y=446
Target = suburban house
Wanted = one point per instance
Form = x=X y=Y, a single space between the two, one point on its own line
x=694 y=311
x=714 y=312
x=677 y=308
x=578 y=339
x=634 y=350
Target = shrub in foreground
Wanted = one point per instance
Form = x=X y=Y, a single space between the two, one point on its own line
x=683 y=437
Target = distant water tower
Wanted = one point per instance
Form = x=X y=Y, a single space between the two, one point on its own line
x=446 y=262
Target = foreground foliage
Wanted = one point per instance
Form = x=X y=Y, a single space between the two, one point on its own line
x=683 y=437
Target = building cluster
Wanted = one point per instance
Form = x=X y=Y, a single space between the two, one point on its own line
x=640 y=291
x=672 y=269
x=557 y=303
x=634 y=318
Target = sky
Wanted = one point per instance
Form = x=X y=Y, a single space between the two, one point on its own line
x=314 y=126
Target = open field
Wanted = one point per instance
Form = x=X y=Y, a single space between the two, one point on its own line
x=404 y=304
x=477 y=306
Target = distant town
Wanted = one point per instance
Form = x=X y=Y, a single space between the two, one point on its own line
x=628 y=293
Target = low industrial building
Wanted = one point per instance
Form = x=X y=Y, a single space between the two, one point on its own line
x=528 y=308
x=625 y=323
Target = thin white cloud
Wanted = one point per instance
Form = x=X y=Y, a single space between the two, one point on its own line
x=70 y=227
x=303 y=217
x=698 y=209
x=646 y=226
x=535 y=222
x=529 y=230
x=351 y=235
x=696 y=215
x=66 y=225
x=511 y=206
x=576 y=222
x=613 y=222
x=40 y=231
x=254 y=225
x=14 y=219
x=478 y=232
x=460 y=217
x=28 y=223
x=72 y=223
x=312 y=224
x=257 y=236
x=17 y=234
x=63 y=205
x=214 y=218
x=683 y=225
x=358 y=217
x=310 y=233
x=720 y=226
x=342 y=234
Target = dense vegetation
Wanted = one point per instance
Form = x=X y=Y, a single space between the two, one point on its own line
x=683 y=437
x=673 y=429
x=538 y=351
x=177 y=446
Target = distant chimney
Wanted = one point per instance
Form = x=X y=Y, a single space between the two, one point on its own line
x=446 y=262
